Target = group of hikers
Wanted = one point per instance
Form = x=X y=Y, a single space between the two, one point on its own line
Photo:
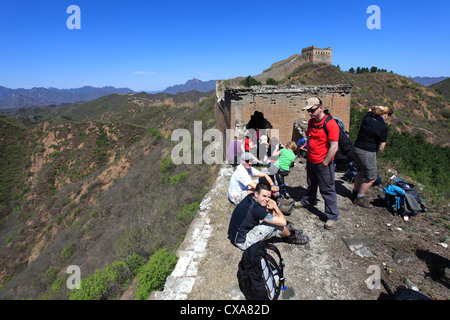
x=257 y=215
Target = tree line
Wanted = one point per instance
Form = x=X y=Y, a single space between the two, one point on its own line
x=365 y=70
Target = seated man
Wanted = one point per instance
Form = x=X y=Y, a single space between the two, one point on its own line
x=257 y=218
x=241 y=183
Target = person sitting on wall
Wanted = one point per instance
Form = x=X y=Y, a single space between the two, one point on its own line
x=257 y=218
x=241 y=183
x=281 y=167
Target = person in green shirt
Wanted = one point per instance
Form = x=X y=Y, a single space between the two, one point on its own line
x=281 y=167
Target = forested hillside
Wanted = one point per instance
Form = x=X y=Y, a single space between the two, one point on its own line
x=93 y=185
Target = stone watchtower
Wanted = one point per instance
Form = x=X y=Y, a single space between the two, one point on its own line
x=278 y=107
x=315 y=55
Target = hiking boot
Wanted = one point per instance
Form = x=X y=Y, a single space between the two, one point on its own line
x=285 y=202
x=300 y=204
x=291 y=228
x=286 y=206
x=362 y=202
x=330 y=224
x=296 y=238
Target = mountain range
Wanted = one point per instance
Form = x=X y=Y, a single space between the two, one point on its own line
x=427 y=81
x=22 y=98
x=19 y=98
x=193 y=84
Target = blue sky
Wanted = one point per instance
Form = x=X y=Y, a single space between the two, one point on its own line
x=149 y=45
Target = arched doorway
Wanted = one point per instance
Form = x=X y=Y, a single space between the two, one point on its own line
x=257 y=127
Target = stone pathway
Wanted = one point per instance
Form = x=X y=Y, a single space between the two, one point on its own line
x=337 y=264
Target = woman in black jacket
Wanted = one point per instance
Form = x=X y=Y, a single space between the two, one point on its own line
x=369 y=145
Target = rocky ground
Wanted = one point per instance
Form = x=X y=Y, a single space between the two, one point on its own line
x=337 y=264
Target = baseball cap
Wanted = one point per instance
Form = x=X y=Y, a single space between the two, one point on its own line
x=311 y=102
x=246 y=156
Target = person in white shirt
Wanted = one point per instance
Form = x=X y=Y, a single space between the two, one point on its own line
x=241 y=182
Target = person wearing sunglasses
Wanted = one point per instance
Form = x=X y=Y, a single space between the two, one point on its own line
x=241 y=182
x=320 y=166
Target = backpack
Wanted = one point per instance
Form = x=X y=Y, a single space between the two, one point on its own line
x=395 y=199
x=351 y=172
x=344 y=154
x=400 y=200
x=260 y=277
x=414 y=203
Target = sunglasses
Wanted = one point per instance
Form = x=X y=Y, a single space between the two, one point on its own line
x=313 y=110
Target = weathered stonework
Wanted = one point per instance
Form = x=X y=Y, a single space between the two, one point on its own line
x=277 y=107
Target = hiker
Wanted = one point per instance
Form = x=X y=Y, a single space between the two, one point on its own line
x=241 y=183
x=273 y=150
x=301 y=143
x=235 y=150
x=249 y=145
x=262 y=148
x=281 y=167
x=320 y=166
x=257 y=218
x=369 y=145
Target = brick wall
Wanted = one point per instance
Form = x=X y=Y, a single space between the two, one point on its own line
x=280 y=106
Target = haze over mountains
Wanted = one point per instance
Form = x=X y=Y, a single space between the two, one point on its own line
x=427 y=81
x=20 y=98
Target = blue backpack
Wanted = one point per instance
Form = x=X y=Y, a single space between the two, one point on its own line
x=395 y=199
x=402 y=199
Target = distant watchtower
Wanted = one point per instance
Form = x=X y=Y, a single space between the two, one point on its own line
x=315 y=55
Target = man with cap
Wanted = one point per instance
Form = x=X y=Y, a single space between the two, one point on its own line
x=320 y=166
x=241 y=182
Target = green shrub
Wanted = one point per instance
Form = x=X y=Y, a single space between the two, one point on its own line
x=68 y=251
x=178 y=178
x=186 y=213
x=272 y=82
x=153 y=274
x=250 y=81
x=154 y=132
x=103 y=284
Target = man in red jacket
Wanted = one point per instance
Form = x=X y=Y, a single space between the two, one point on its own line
x=322 y=147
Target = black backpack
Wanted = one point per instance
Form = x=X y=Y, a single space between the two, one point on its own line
x=344 y=154
x=260 y=276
